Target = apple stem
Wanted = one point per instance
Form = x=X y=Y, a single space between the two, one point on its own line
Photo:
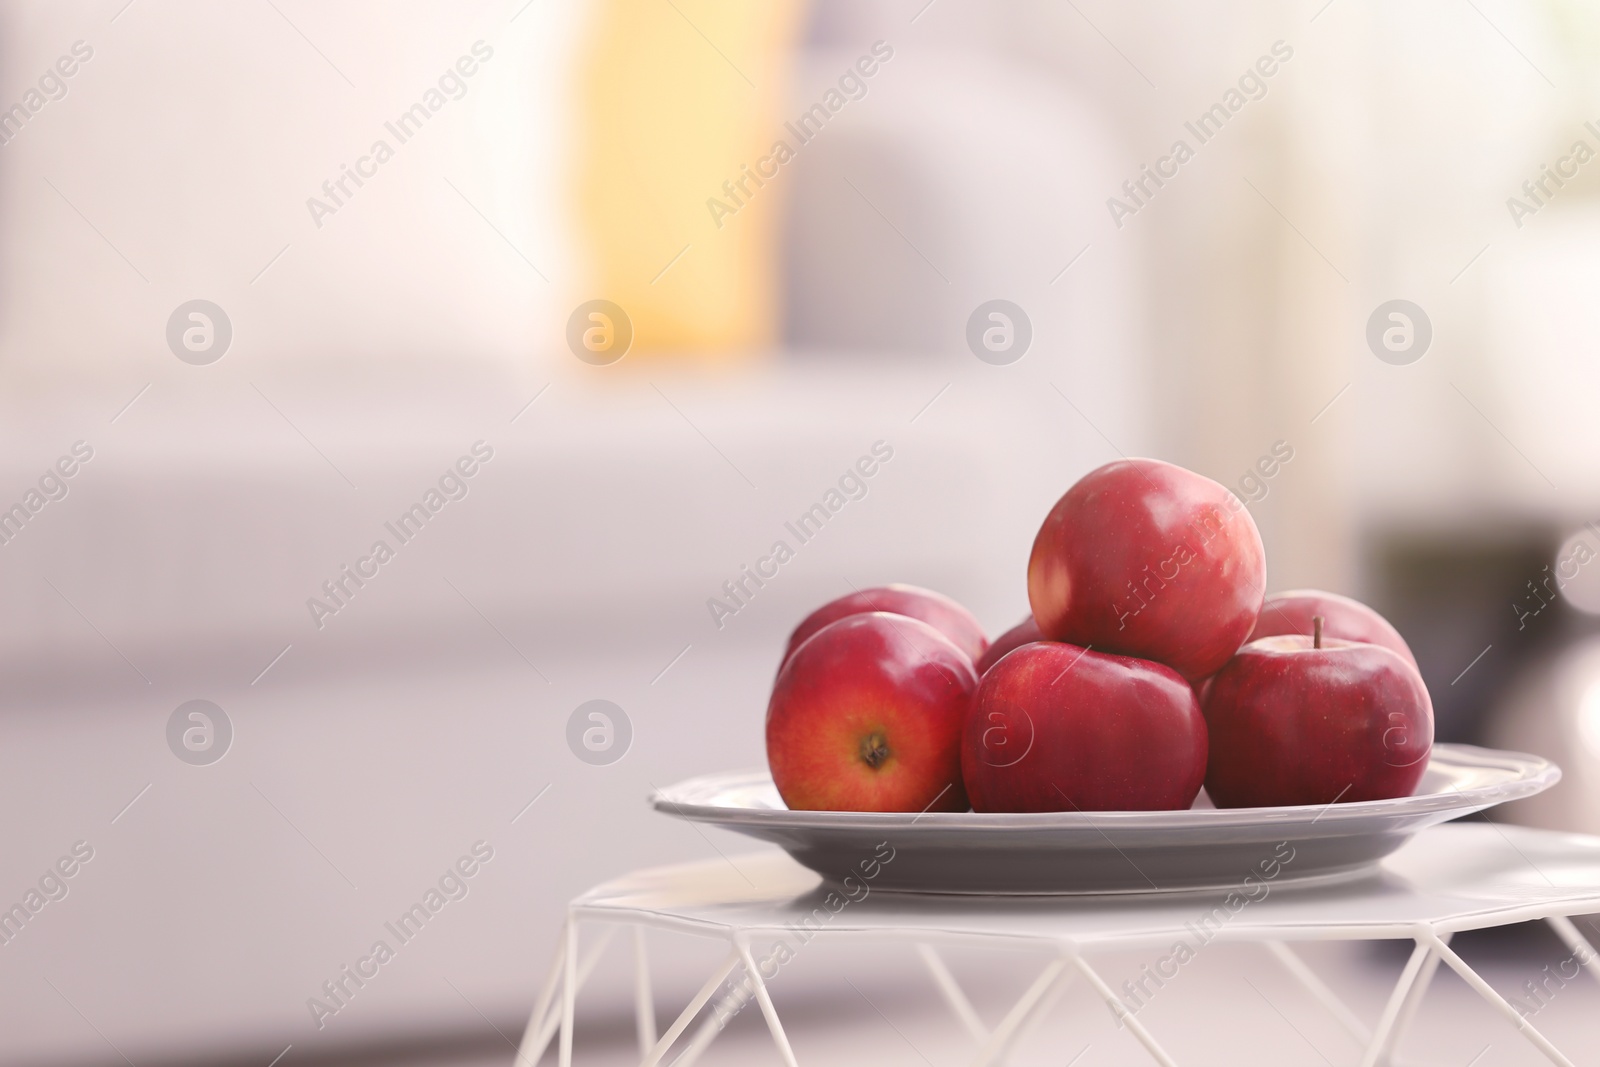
x=1316 y=631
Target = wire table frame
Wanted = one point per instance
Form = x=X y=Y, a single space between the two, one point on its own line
x=1449 y=879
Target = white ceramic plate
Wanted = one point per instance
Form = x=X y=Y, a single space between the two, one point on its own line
x=1109 y=851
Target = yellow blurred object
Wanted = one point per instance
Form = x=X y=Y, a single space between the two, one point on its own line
x=674 y=97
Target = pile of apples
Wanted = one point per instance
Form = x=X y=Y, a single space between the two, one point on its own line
x=1152 y=663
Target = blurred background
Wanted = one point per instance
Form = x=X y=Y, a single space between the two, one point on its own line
x=396 y=217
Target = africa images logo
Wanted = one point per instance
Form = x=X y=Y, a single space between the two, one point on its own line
x=453 y=485
x=199 y=732
x=338 y=191
x=453 y=885
x=1008 y=737
x=852 y=85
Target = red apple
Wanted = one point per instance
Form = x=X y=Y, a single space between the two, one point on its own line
x=1055 y=727
x=1023 y=633
x=867 y=716
x=935 y=609
x=1146 y=559
x=1294 y=723
x=1351 y=620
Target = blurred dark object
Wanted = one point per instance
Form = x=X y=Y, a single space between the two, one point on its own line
x=1477 y=611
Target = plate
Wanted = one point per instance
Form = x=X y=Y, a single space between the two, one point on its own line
x=1109 y=851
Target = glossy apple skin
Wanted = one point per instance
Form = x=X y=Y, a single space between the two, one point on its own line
x=1343 y=617
x=935 y=609
x=1292 y=724
x=872 y=675
x=1025 y=632
x=1147 y=559
x=1057 y=728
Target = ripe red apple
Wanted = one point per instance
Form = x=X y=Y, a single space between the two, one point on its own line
x=935 y=609
x=867 y=716
x=1351 y=620
x=1298 y=721
x=1146 y=559
x=1023 y=633
x=1055 y=727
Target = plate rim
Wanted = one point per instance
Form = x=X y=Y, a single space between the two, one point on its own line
x=1533 y=775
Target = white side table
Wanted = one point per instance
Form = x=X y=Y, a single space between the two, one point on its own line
x=1462 y=876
